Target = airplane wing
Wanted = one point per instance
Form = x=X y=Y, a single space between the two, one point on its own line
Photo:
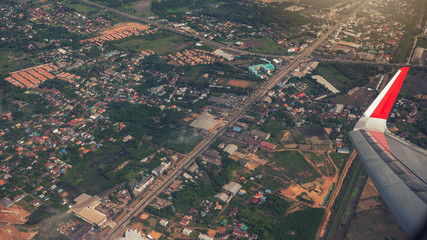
x=397 y=168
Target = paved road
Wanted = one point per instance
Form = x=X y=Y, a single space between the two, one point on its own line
x=253 y=98
x=181 y=32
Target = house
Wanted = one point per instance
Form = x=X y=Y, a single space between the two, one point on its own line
x=186 y=232
x=132 y=234
x=185 y=220
x=343 y=150
x=222 y=197
x=232 y=187
x=204 y=237
x=231 y=148
x=164 y=222
x=268 y=145
x=258 y=134
x=240 y=233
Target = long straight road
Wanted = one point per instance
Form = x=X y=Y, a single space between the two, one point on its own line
x=253 y=98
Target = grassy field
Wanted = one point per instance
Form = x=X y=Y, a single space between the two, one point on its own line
x=339 y=159
x=271 y=183
x=169 y=44
x=81 y=8
x=333 y=76
x=265 y=45
x=293 y=165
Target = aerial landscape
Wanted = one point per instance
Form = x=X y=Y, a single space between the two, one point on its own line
x=208 y=119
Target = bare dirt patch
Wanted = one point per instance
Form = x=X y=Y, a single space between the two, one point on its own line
x=238 y=83
x=10 y=232
x=316 y=190
x=125 y=26
x=142 y=6
x=13 y=215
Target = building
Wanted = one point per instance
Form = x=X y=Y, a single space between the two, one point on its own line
x=132 y=234
x=231 y=148
x=258 y=134
x=164 y=222
x=186 y=232
x=261 y=70
x=268 y=145
x=325 y=83
x=205 y=121
x=418 y=54
x=232 y=187
x=343 y=150
x=223 y=54
x=222 y=197
x=144 y=184
x=160 y=169
x=85 y=209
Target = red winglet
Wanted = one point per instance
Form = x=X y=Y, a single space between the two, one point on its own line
x=384 y=107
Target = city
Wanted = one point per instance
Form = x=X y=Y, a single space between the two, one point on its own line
x=193 y=120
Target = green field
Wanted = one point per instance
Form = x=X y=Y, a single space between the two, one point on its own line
x=333 y=76
x=293 y=165
x=169 y=44
x=339 y=159
x=81 y=8
x=271 y=183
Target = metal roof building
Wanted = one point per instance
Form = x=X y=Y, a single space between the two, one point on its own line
x=205 y=121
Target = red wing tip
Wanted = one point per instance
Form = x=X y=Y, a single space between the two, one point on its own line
x=383 y=109
x=404 y=69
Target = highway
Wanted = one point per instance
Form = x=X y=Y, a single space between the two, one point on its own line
x=253 y=98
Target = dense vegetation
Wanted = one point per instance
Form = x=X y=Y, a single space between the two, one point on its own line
x=192 y=195
x=261 y=219
x=249 y=13
x=299 y=225
x=163 y=126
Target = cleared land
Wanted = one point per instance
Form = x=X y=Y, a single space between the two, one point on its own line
x=13 y=215
x=126 y=26
x=236 y=83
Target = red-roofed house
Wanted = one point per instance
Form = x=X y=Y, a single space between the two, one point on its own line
x=268 y=145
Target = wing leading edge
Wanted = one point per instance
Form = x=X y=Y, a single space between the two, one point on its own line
x=397 y=168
